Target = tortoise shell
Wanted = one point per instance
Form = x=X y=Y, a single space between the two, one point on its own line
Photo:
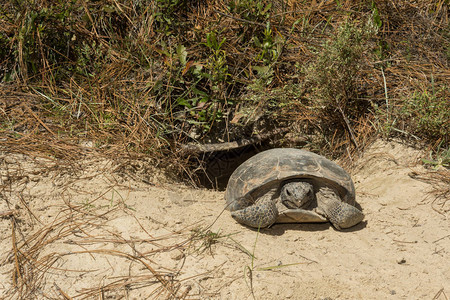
x=268 y=169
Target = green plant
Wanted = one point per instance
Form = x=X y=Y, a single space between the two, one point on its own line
x=251 y=10
x=248 y=270
x=426 y=113
x=382 y=48
x=166 y=14
x=270 y=46
x=205 y=105
x=201 y=85
x=376 y=17
x=43 y=38
x=438 y=159
x=334 y=76
x=263 y=79
x=217 y=63
x=90 y=59
x=87 y=205
x=150 y=75
x=207 y=238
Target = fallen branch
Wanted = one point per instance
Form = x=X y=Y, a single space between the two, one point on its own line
x=227 y=146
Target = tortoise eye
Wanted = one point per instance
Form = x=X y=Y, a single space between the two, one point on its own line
x=288 y=193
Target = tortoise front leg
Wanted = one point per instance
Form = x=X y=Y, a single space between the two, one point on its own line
x=341 y=215
x=259 y=215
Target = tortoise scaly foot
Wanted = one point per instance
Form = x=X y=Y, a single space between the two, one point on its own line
x=259 y=215
x=342 y=215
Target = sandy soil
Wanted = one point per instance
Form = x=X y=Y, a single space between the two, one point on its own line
x=89 y=231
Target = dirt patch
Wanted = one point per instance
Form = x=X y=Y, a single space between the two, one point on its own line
x=86 y=231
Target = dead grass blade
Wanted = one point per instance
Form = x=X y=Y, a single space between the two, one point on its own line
x=440 y=180
x=35 y=260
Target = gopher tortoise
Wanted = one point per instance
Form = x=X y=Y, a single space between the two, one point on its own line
x=286 y=185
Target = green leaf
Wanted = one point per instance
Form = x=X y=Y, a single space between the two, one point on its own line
x=184 y=102
x=261 y=69
x=182 y=54
x=266 y=9
x=376 y=15
x=257 y=42
x=109 y=9
x=199 y=92
x=221 y=43
x=211 y=40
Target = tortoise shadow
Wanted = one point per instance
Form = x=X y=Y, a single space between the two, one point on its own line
x=280 y=229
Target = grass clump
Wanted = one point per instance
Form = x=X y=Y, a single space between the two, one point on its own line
x=334 y=75
x=334 y=79
x=427 y=113
x=438 y=159
x=35 y=39
x=253 y=11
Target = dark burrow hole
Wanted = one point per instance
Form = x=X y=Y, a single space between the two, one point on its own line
x=215 y=168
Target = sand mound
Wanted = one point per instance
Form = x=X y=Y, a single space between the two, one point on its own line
x=87 y=231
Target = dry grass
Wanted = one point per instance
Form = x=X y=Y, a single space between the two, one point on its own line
x=129 y=82
x=440 y=180
x=42 y=247
x=74 y=226
x=125 y=83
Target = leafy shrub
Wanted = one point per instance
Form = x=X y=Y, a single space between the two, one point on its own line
x=426 y=113
x=336 y=71
x=334 y=76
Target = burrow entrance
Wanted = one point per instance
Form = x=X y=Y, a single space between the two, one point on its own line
x=213 y=164
x=215 y=168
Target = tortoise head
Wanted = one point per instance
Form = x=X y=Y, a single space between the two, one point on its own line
x=296 y=194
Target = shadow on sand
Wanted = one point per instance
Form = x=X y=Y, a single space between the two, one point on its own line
x=280 y=229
